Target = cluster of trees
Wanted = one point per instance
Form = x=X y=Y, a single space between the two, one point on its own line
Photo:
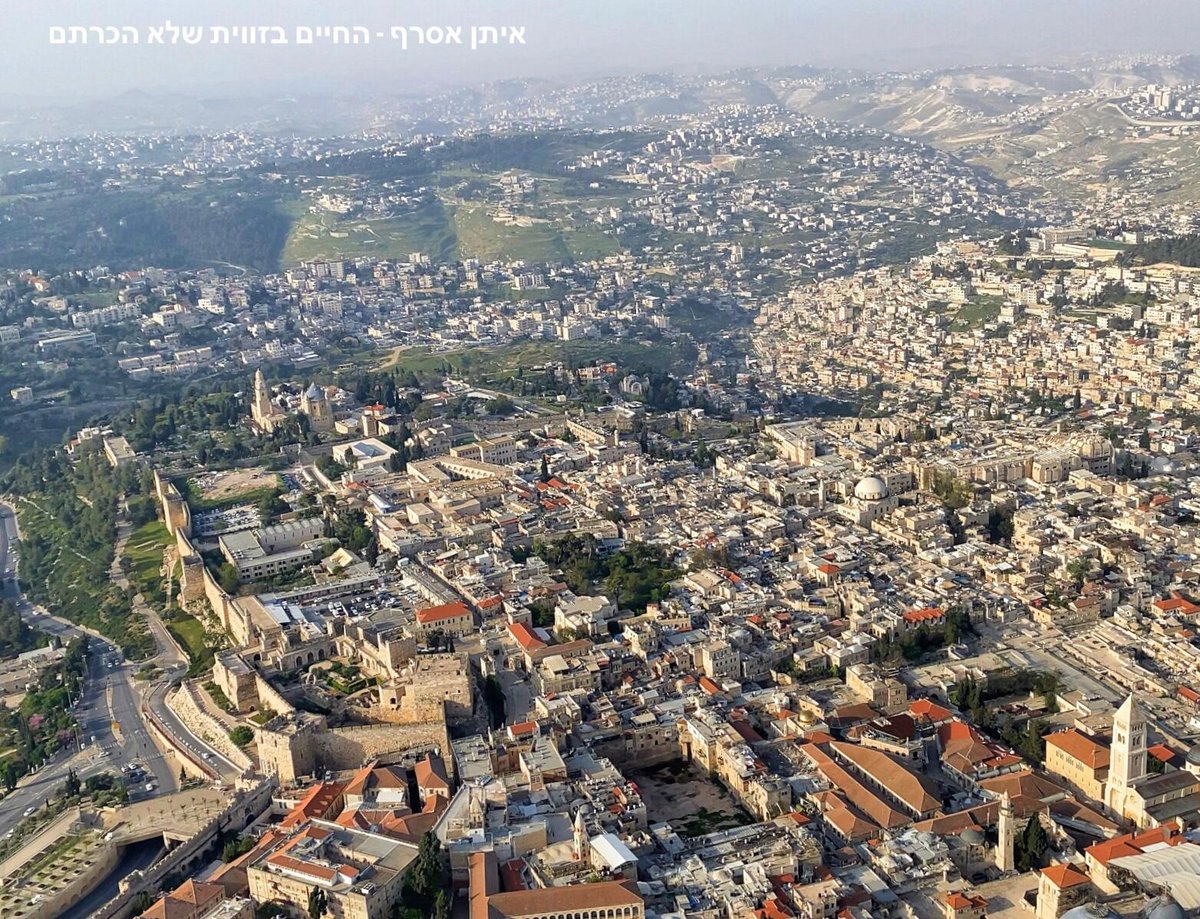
x=1013 y=243
x=914 y=645
x=15 y=636
x=815 y=675
x=662 y=392
x=953 y=493
x=426 y=893
x=970 y=696
x=170 y=226
x=102 y=789
x=633 y=576
x=1029 y=847
x=1000 y=525
x=1119 y=293
x=69 y=526
x=1180 y=250
x=42 y=724
x=157 y=421
x=501 y=406
x=235 y=848
x=493 y=697
x=350 y=529
x=1029 y=741
x=330 y=468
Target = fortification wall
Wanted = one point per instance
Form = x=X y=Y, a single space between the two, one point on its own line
x=349 y=748
x=245 y=807
x=188 y=709
x=269 y=696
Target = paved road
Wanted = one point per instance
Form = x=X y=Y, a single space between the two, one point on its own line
x=156 y=702
x=108 y=696
x=170 y=655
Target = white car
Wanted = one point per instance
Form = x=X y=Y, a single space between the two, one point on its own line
x=30 y=811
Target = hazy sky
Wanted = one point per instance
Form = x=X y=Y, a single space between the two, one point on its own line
x=562 y=38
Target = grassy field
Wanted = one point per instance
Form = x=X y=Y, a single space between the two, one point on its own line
x=198 y=502
x=483 y=365
x=145 y=550
x=444 y=231
x=481 y=237
x=428 y=230
x=78 y=588
x=977 y=313
x=188 y=631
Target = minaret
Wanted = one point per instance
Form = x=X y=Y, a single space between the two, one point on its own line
x=1127 y=755
x=1006 y=835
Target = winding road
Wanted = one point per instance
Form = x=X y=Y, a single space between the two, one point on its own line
x=113 y=731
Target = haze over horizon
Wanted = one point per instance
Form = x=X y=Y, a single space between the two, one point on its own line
x=567 y=40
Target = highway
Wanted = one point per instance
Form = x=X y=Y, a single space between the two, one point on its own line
x=109 y=696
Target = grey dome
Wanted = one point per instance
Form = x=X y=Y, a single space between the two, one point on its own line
x=972 y=836
x=1164 y=908
x=1193 y=756
x=1090 y=911
x=315 y=393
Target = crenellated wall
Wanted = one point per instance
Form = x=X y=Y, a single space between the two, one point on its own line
x=269 y=697
x=349 y=748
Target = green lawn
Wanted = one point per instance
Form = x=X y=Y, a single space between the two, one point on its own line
x=977 y=313
x=428 y=230
x=481 y=237
x=188 y=631
x=145 y=550
x=483 y=365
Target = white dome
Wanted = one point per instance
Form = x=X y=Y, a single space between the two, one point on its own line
x=870 y=489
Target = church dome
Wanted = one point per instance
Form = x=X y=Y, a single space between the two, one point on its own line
x=1090 y=911
x=870 y=489
x=971 y=836
x=314 y=393
x=1164 y=908
x=1193 y=756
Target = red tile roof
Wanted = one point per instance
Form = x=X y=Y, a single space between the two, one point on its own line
x=1080 y=747
x=927 y=709
x=316 y=803
x=1064 y=876
x=524 y=636
x=443 y=612
x=927 y=614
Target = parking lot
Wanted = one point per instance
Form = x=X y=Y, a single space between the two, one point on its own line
x=230 y=520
